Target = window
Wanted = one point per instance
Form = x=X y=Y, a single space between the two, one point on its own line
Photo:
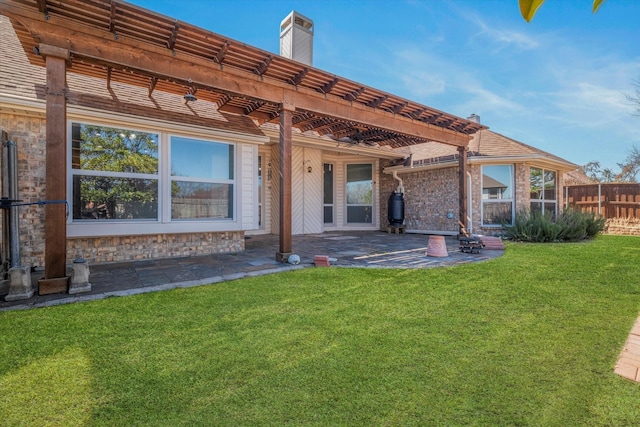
x=543 y=192
x=201 y=179
x=497 y=195
x=114 y=173
x=138 y=181
x=359 y=193
x=328 y=193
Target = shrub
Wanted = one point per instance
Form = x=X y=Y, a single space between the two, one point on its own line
x=571 y=226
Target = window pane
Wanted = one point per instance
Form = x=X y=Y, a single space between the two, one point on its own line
x=536 y=183
x=360 y=214
x=497 y=182
x=496 y=213
x=197 y=200
x=108 y=198
x=359 y=184
x=362 y=172
x=550 y=211
x=101 y=148
x=201 y=159
x=328 y=184
x=536 y=207
x=549 y=185
x=328 y=214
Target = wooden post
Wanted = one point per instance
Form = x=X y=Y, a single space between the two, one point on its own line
x=462 y=183
x=285 y=185
x=56 y=170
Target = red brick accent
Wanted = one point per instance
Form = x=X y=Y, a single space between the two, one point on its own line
x=321 y=261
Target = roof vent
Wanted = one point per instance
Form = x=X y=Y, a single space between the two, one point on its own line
x=296 y=38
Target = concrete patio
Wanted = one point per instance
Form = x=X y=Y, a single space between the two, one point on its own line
x=370 y=249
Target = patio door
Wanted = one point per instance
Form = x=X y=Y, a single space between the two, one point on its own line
x=359 y=193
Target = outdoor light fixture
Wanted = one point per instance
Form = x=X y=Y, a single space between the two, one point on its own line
x=190 y=97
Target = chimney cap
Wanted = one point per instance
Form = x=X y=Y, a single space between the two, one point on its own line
x=474 y=118
x=296 y=18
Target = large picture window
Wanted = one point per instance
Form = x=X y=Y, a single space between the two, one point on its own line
x=202 y=174
x=497 y=195
x=136 y=180
x=543 y=192
x=114 y=173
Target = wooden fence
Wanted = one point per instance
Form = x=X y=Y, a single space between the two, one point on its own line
x=614 y=200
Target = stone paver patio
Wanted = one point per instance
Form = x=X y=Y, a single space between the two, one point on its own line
x=368 y=249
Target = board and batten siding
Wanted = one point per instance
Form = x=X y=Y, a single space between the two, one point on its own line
x=306 y=190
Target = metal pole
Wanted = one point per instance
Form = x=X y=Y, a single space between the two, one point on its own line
x=14 y=230
x=4 y=250
x=599 y=199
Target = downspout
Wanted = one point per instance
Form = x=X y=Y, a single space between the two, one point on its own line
x=469 y=204
x=10 y=191
x=400 y=188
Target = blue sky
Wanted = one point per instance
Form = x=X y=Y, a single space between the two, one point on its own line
x=557 y=83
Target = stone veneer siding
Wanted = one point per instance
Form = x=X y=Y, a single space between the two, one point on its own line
x=133 y=248
x=28 y=132
x=623 y=226
x=429 y=197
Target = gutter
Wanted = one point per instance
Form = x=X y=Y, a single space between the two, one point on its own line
x=486 y=160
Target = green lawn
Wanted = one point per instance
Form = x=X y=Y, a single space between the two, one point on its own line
x=530 y=338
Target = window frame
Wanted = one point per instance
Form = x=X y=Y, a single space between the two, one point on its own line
x=372 y=221
x=510 y=200
x=544 y=202
x=163 y=223
x=200 y=180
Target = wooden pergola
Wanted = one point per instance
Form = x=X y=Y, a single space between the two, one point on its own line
x=119 y=42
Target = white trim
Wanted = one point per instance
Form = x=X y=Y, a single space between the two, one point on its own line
x=537 y=159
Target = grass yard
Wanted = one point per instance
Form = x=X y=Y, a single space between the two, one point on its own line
x=530 y=338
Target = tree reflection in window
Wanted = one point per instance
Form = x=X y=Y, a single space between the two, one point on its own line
x=114 y=173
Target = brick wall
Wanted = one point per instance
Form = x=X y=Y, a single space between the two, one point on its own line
x=623 y=226
x=429 y=197
x=134 y=248
x=28 y=132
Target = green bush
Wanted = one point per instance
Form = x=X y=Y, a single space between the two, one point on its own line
x=571 y=226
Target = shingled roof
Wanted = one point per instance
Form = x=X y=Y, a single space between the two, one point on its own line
x=23 y=82
x=486 y=146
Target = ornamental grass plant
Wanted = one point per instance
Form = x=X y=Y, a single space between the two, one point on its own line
x=570 y=226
